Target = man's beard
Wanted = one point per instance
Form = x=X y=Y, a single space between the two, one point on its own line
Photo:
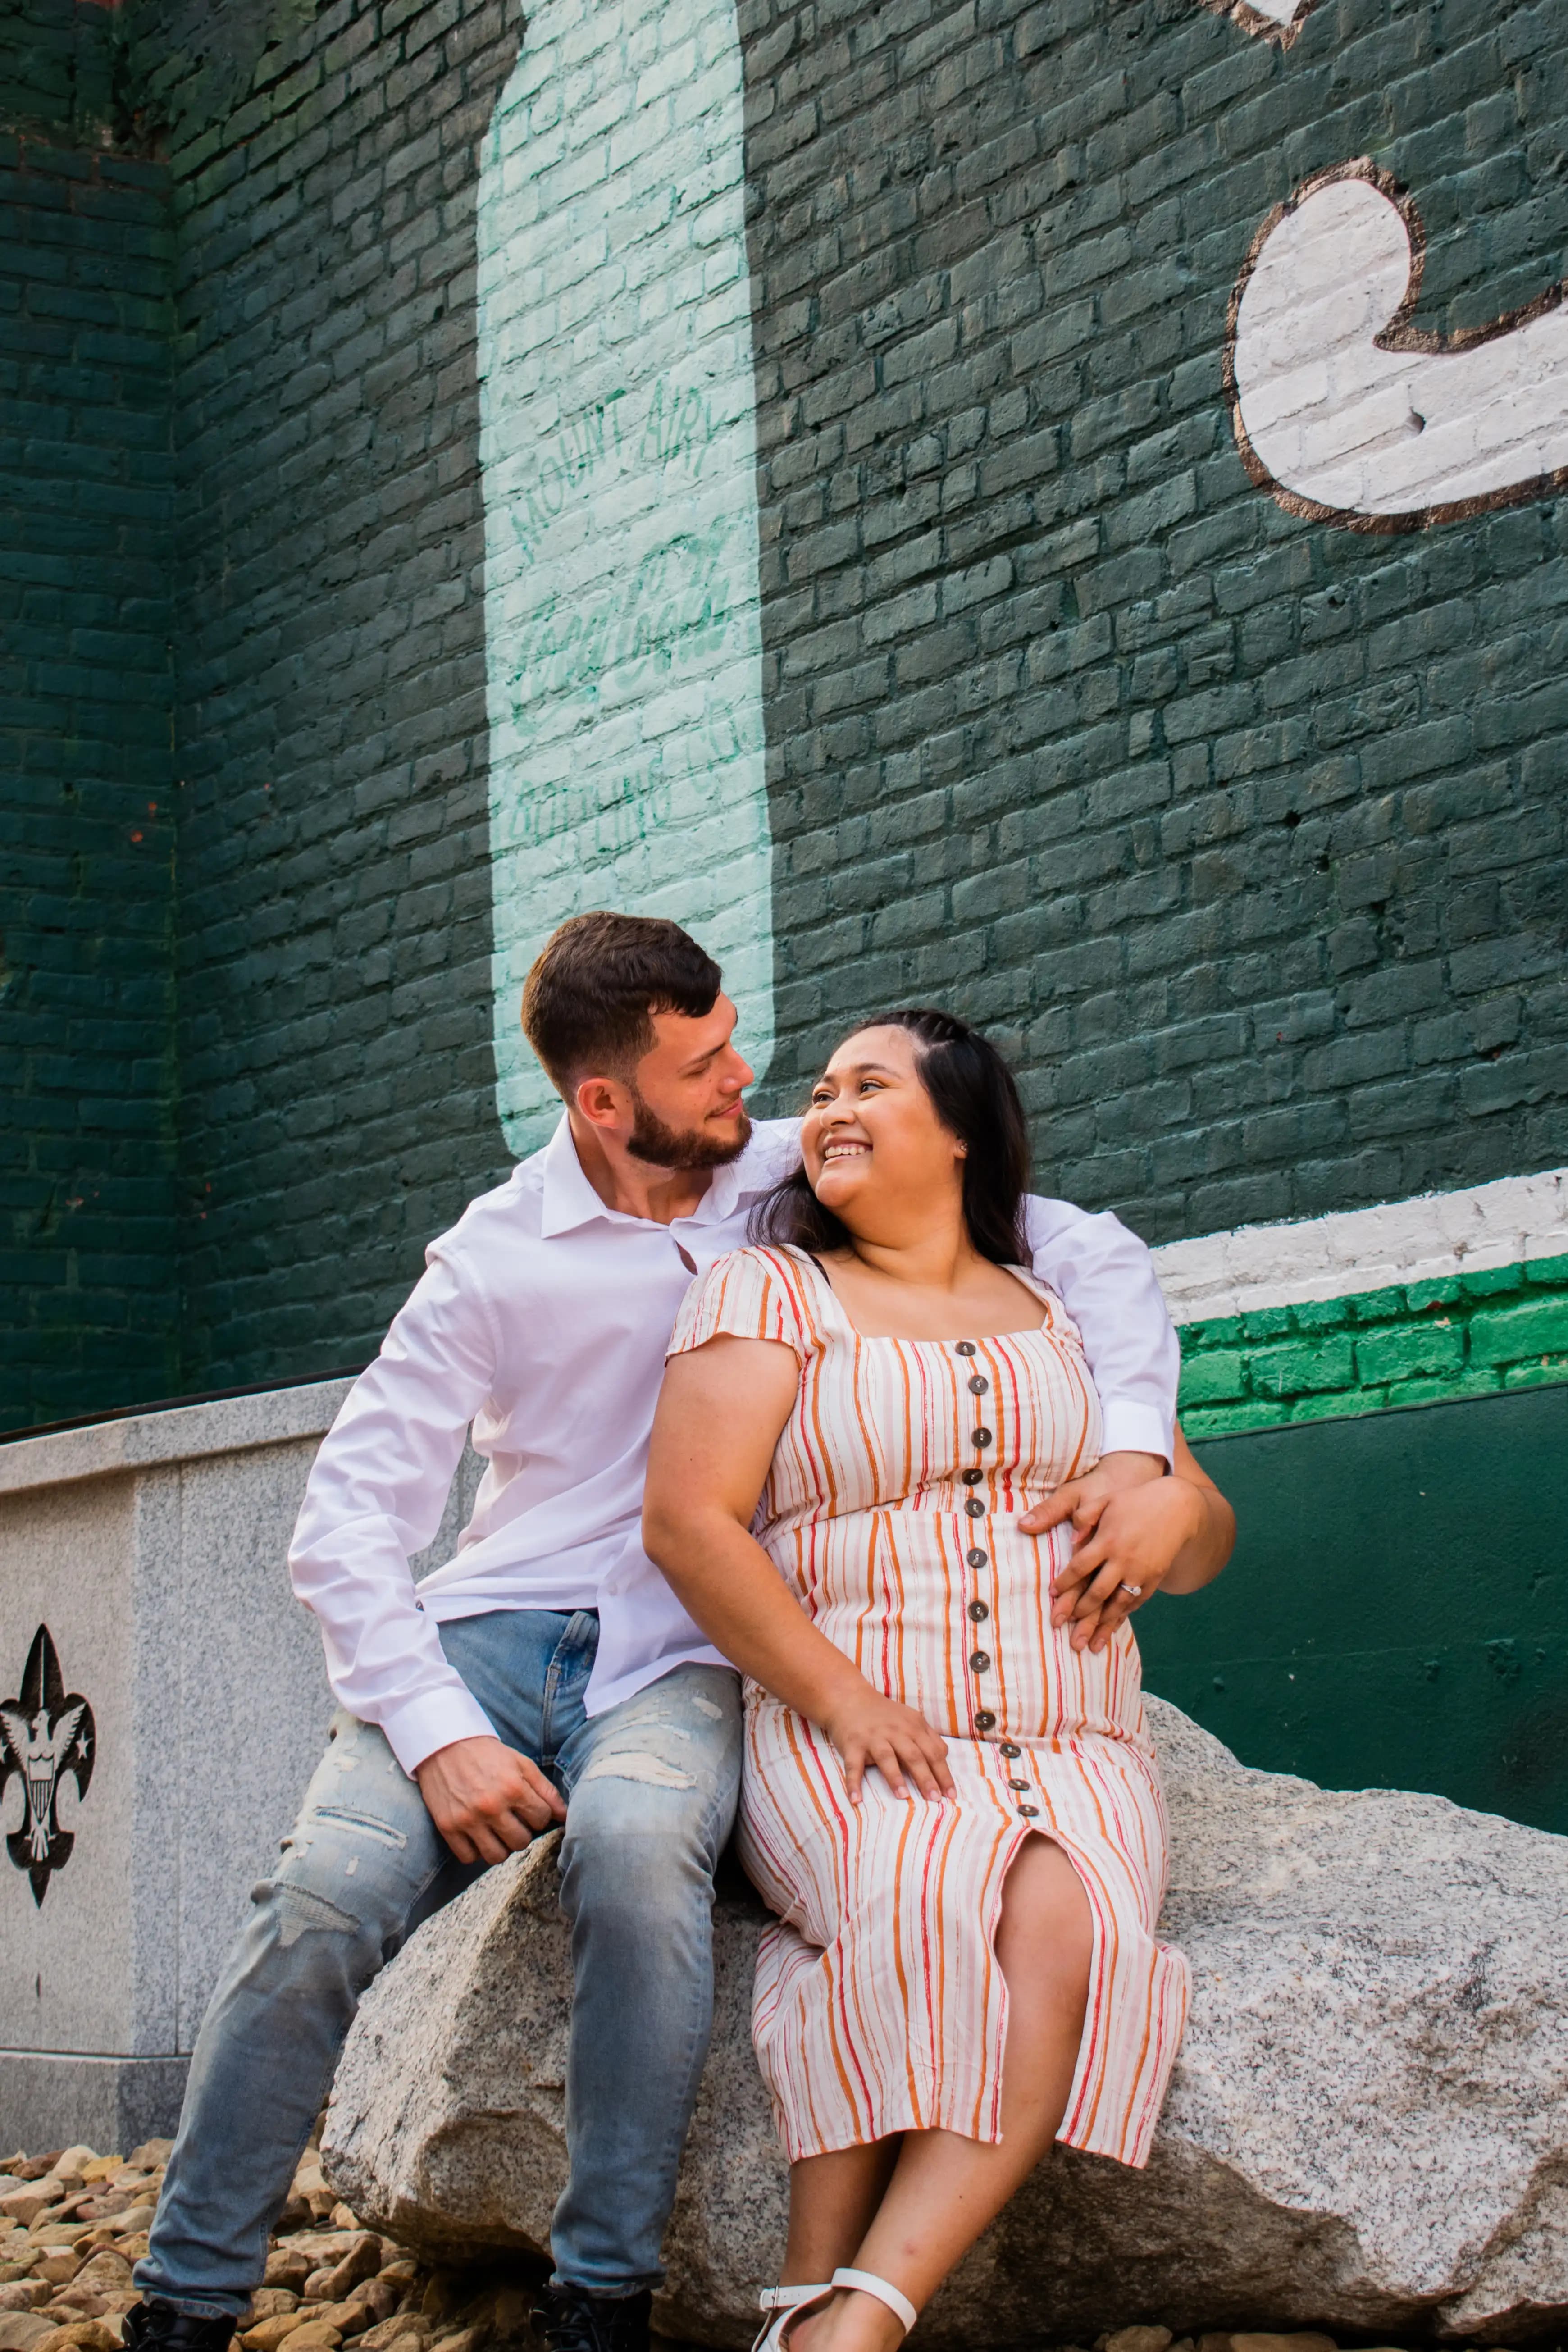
x=680 y=1146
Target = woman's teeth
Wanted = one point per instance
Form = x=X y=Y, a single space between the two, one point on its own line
x=845 y=1151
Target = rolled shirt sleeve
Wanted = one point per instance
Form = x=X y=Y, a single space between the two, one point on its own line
x=375 y=1496
x=1104 y=1276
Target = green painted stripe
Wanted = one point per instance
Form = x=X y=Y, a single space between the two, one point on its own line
x=1420 y=1343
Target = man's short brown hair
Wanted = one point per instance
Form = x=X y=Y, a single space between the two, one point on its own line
x=590 y=997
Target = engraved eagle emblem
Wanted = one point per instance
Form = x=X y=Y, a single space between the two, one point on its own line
x=46 y=1732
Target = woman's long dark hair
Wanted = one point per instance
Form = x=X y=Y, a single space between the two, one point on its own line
x=972 y=1094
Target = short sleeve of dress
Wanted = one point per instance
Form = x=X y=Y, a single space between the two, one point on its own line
x=752 y=1294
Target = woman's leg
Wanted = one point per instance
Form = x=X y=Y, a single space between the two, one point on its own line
x=833 y=2200
x=944 y=2189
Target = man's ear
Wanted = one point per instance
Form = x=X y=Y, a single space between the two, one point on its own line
x=602 y=1101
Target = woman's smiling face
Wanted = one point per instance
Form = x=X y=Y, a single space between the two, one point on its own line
x=871 y=1137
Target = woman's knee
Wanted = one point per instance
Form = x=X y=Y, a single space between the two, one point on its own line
x=1047 y=1927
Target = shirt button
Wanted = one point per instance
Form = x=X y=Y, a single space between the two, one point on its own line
x=978 y=1559
x=978 y=1384
x=1030 y=1813
x=975 y=1507
x=1011 y=1748
x=1019 y=1784
x=980 y=1661
x=979 y=1611
x=964 y=1348
x=984 y=1720
x=972 y=1477
x=983 y=1437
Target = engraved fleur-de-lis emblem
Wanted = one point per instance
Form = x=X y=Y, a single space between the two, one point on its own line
x=46 y=1732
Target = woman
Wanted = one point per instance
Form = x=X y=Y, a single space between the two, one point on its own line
x=950 y=1796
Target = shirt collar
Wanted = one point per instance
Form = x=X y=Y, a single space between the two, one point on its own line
x=570 y=1200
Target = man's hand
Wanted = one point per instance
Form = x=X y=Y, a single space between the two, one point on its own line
x=486 y=1800
x=1133 y=1549
x=1112 y=1548
x=1082 y=1500
x=868 y=1728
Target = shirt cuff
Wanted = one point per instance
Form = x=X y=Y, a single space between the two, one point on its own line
x=1134 y=1428
x=433 y=1719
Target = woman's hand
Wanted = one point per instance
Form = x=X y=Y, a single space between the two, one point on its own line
x=867 y=1728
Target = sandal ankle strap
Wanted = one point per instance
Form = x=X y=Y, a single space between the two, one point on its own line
x=789 y=2303
x=784 y=2298
x=867 y=2282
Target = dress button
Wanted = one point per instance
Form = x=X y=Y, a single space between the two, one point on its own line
x=978 y=1559
x=972 y=1477
x=964 y=1348
x=975 y=1507
x=979 y=1611
x=983 y=1437
x=984 y=1720
x=1019 y=1784
x=1011 y=1748
x=1030 y=1813
x=978 y=1384
x=980 y=1661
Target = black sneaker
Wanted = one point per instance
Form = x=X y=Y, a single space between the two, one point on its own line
x=573 y=2320
x=156 y=2326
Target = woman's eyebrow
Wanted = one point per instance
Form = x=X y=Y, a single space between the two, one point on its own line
x=858 y=1070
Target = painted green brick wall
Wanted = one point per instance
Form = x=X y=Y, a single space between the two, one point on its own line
x=60 y=74
x=87 y=1223
x=1245 y=831
x=337 y=1081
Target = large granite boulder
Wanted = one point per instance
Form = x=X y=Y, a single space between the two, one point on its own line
x=1367 y=2129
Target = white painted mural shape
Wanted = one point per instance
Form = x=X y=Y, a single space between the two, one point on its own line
x=618 y=447
x=1277 y=20
x=1347 y=412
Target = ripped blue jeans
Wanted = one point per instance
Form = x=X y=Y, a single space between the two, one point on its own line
x=650 y=1790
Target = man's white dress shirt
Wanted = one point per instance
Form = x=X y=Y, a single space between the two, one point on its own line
x=542 y=1321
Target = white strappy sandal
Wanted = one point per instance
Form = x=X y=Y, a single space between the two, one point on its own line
x=792 y=2303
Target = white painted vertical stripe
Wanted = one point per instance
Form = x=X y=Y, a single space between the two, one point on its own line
x=618 y=443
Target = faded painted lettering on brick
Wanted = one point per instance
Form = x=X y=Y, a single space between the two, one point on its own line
x=618 y=443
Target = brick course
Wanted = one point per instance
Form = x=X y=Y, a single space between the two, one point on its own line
x=1417 y=1343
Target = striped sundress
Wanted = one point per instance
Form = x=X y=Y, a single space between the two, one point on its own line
x=890 y=1511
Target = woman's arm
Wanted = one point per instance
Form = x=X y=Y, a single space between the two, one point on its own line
x=1173 y=1535
x=721 y=1412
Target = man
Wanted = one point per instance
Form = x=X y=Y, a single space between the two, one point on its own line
x=546 y=1674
